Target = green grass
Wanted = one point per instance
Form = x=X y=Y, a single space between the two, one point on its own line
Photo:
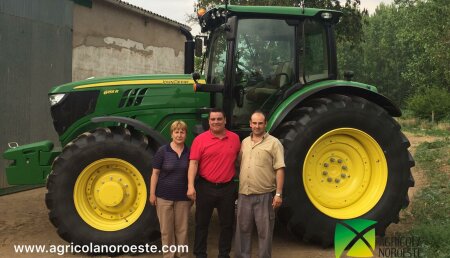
x=424 y=127
x=431 y=132
x=431 y=208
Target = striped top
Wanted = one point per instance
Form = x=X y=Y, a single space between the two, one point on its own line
x=172 y=181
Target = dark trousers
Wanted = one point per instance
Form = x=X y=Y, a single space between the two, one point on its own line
x=210 y=196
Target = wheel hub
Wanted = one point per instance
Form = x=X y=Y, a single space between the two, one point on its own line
x=335 y=169
x=110 y=194
x=345 y=173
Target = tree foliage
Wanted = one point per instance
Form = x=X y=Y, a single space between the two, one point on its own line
x=405 y=50
x=380 y=59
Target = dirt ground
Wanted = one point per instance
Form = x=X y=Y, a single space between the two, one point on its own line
x=406 y=220
x=24 y=220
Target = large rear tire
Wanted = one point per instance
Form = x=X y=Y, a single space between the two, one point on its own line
x=345 y=158
x=98 y=188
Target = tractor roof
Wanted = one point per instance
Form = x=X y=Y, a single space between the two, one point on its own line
x=280 y=10
x=217 y=15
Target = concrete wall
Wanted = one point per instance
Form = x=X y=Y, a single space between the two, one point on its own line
x=109 y=40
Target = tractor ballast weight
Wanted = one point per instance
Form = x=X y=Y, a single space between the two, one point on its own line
x=345 y=154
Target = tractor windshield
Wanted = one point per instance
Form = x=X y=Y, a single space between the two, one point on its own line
x=265 y=51
x=265 y=63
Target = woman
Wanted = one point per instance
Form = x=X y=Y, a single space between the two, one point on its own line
x=168 y=187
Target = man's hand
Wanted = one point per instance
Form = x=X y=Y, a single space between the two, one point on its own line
x=191 y=193
x=152 y=199
x=276 y=202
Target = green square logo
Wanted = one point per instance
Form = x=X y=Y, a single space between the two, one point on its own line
x=357 y=236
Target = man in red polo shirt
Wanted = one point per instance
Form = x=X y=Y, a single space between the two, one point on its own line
x=213 y=155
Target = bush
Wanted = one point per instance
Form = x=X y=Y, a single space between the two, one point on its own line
x=430 y=100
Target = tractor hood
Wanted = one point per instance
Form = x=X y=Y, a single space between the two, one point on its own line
x=119 y=81
x=147 y=98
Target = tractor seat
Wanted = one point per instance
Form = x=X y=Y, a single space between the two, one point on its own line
x=283 y=75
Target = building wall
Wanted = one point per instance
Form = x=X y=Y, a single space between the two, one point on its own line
x=35 y=55
x=109 y=40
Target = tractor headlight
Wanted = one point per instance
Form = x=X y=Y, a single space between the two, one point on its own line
x=326 y=16
x=56 y=98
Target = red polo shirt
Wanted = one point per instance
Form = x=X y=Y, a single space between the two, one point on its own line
x=216 y=156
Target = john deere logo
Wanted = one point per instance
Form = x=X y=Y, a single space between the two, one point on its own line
x=357 y=236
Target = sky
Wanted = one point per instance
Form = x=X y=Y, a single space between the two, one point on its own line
x=178 y=10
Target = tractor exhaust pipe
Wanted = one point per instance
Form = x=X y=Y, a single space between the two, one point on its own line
x=189 y=47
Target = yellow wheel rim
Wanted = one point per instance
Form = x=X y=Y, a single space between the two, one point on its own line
x=345 y=173
x=110 y=194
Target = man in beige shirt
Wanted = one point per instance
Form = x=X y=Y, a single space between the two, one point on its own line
x=261 y=175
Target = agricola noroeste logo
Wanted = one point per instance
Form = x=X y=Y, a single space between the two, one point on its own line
x=357 y=236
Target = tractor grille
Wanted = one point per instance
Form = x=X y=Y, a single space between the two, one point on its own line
x=132 y=97
x=73 y=107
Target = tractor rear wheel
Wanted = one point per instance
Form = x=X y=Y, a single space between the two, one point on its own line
x=98 y=188
x=345 y=158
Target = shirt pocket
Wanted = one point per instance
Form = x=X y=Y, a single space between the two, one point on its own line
x=263 y=159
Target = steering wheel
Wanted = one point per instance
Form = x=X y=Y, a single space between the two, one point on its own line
x=250 y=74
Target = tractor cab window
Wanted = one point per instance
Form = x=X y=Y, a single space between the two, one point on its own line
x=315 y=56
x=265 y=54
x=217 y=63
x=217 y=57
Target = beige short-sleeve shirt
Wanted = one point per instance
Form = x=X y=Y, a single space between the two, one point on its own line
x=258 y=165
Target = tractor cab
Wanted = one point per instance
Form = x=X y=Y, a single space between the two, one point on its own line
x=258 y=56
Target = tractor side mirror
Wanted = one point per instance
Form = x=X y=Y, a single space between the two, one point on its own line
x=198 y=47
x=199 y=87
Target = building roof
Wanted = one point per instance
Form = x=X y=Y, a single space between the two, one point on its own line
x=147 y=13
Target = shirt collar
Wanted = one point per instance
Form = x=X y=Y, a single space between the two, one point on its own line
x=169 y=148
x=264 y=136
x=215 y=137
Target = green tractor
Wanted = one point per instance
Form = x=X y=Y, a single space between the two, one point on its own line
x=345 y=154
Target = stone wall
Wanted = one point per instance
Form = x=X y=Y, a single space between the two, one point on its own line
x=109 y=40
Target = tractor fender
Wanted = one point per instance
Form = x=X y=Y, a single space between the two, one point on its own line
x=155 y=135
x=290 y=103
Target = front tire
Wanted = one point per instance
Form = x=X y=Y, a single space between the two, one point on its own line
x=98 y=188
x=345 y=158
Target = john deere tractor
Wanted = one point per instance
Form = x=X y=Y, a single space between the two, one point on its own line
x=345 y=154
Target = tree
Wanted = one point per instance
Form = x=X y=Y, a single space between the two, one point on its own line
x=427 y=34
x=380 y=59
x=405 y=49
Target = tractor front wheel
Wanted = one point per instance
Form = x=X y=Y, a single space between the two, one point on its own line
x=98 y=188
